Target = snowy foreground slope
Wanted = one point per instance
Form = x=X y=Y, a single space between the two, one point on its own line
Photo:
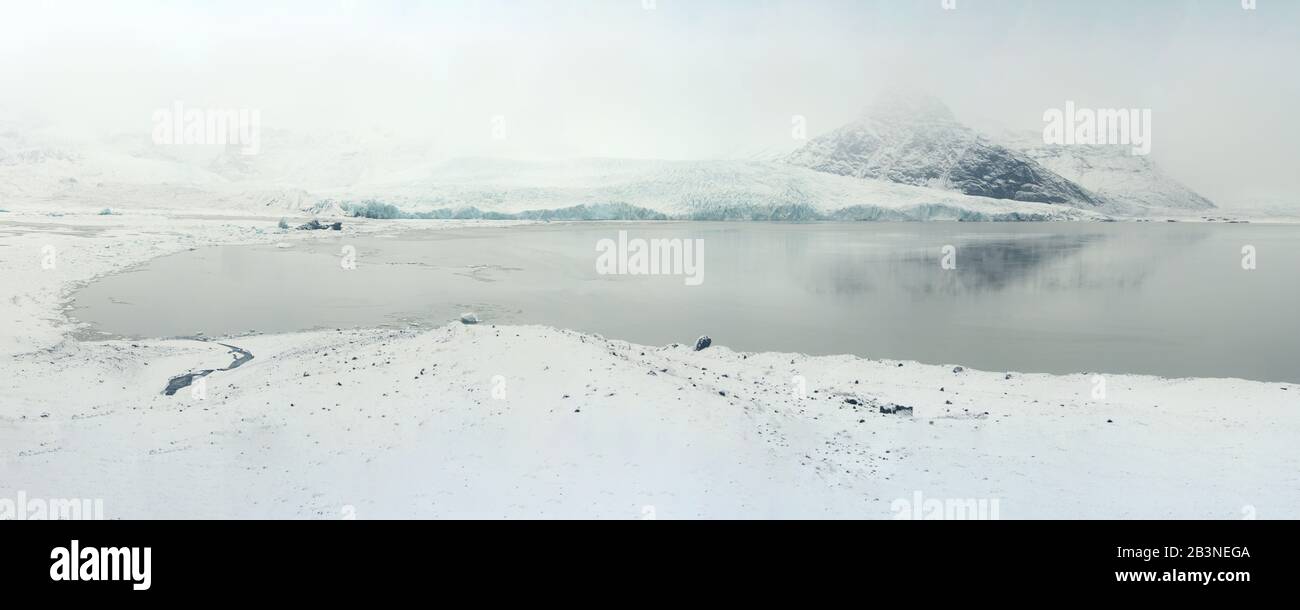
x=405 y=422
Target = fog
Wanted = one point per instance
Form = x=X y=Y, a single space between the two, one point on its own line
x=676 y=79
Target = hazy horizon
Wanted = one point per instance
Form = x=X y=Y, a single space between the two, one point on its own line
x=672 y=79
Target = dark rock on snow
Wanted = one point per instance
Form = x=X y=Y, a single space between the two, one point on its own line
x=892 y=409
x=316 y=225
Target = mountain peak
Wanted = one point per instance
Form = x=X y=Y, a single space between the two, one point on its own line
x=913 y=138
x=908 y=106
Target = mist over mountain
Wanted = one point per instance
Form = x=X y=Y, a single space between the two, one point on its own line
x=906 y=158
x=915 y=139
x=1123 y=180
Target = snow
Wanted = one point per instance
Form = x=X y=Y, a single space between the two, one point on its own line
x=906 y=158
x=914 y=139
x=1131 y=184
x=319 y=174
x=529 y=421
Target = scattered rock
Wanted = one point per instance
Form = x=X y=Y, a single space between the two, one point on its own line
x=469 y=318
x=852 y=401
x=703 y=343
x=316 y=225
x=893 y=409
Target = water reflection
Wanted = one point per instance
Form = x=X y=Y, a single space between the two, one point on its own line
x=1161 y=299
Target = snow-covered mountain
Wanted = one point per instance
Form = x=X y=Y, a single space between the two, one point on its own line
x=734 y=189
x=327 y=173
x=329 y=160
x=908 y=159
x=915 y=139
x=1123 y=180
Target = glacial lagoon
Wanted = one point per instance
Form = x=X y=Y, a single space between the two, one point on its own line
x=1170 y=299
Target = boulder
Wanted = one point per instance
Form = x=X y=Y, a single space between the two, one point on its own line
x=316 y=225
x=893 y=409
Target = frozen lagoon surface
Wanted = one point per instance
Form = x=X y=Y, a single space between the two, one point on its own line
x=1167 y=299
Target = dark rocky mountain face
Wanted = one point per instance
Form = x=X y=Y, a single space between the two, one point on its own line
x=917 y=141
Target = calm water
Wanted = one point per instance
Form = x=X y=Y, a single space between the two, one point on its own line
x=1159 y=298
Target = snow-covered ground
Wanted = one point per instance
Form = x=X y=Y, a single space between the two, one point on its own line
x=499 y=421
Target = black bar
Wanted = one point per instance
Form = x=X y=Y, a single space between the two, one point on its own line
x=324 y=559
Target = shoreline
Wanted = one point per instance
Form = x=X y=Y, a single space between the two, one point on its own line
x=517 y=421
x=239 y=232
x=374 y=238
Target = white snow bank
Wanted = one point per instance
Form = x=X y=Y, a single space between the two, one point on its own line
x=482 y=421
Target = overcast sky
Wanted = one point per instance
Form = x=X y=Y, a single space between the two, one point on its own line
x=686 y=79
